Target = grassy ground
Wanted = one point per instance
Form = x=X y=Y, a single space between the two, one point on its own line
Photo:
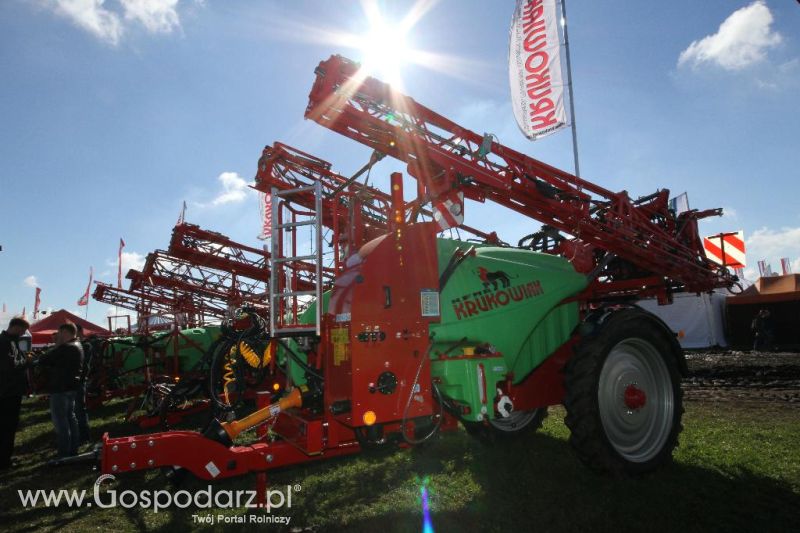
x=737 y=469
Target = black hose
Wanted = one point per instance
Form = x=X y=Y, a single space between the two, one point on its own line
x=590 y=277
x=439 y=395
x=408 y=405
x=455 y=261
x=220 y=351
x=296 y=358
x=432 y=432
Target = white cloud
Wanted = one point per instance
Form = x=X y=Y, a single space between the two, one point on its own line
x=789 y=67
x=94 y=16
x=775 y=243
x=157 y=16
x=772 y=245
x=132 y=260
x=234 y=189
x=741 y=40
x=730 y=213
x=129 y=260
x=31 y=281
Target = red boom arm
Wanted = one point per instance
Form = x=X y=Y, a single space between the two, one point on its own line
x=648 y=243
x=356 y=212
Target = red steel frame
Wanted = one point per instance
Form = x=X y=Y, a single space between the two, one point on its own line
x=666 y=250
x=209 y=460
x=659 y=253
x=188 y=289
x=355 y=212
x=143 y=304
x=216 y=251
x=214 y=288
x=201 y=290
x=200 y=277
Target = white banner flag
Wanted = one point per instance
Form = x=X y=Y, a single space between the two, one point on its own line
x=679 y=204
x=265 y=209
x=534 y=68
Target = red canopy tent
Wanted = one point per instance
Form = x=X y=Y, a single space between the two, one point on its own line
x=42 y=330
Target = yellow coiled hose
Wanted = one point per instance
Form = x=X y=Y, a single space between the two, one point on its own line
x=228 y=377
x=250 y=356
x=253 y=358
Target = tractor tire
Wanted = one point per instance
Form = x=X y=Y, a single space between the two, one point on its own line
x=623 y=395
x=518 y=424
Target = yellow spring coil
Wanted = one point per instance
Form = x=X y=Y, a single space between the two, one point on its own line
x=228 y=377
x=252 y=357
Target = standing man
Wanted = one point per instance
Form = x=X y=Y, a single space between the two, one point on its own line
x=13 y=385
x=63 y=364
x=80 y=398
x=762 y=331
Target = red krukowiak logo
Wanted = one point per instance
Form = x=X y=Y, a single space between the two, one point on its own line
x=497 y=292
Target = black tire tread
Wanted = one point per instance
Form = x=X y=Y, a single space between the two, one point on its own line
x=582 y=373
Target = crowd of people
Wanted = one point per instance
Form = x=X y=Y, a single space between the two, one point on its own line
x=65 y=368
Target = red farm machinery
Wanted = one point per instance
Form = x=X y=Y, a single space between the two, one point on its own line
x=386 y=332
x=183 y=298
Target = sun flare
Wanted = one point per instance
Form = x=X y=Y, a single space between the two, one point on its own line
x=385 y=51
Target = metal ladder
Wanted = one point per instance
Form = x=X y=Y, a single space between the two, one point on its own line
x=286 y=268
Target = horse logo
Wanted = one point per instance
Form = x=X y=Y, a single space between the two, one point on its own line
x=494 y=278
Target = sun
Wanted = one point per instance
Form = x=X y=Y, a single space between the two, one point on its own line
x=384 y=43
x=385 y=50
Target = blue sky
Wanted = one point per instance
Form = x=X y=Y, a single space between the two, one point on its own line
x=114 y=112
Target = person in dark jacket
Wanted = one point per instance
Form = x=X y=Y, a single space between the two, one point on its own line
x=762 y=331
x=13 y=386
x=80 y=399
x=63 y=364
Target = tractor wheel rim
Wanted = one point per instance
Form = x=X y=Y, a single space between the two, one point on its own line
x=516 y=421
x=636 y=400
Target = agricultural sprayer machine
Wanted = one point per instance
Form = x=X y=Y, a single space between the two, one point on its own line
x=191 y=289
x=418 y=333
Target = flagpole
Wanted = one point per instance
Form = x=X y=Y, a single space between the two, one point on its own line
x=569 y=86
x=119 y=273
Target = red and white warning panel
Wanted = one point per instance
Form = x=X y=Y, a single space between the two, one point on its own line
x=726 y=249
x=448 y=210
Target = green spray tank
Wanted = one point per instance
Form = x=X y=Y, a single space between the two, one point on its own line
x=506 y=301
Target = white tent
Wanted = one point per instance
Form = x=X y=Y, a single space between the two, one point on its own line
x=698 y=321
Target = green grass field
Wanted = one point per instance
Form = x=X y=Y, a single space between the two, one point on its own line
x=737 y=469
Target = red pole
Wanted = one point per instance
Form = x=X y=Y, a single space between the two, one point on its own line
x=398 y=206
